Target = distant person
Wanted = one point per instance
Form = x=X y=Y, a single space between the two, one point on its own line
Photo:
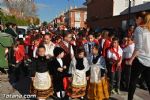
x=11 y=29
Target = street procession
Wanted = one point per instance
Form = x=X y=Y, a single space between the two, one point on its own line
x=74 y=49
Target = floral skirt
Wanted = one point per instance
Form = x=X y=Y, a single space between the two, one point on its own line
x=41 y=85
x=41 y=94
x=76 y=91
x=99 y=91
x=77 y=87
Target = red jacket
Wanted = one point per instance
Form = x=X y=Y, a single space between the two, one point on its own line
x=107 y=44
x=19 y=54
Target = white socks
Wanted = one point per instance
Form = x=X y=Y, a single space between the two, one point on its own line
x=63 y=94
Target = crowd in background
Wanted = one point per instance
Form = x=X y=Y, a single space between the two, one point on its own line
x=82 y=63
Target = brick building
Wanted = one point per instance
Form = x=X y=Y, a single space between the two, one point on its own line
x=113 y=13
x=76 y=17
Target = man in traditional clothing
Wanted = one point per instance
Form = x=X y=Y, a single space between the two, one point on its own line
x=68 y=49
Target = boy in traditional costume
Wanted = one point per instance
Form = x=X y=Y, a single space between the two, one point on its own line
x=59 y=69
x=40 y=72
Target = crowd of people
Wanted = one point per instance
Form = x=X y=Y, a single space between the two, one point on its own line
x=81 y=63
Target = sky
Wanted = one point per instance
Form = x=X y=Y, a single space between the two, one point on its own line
x=47 y=10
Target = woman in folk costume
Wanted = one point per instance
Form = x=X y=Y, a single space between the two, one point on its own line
x=98 y=86
x=78 y=69
x=41 y=81
x=114 y=56
x=59 y=69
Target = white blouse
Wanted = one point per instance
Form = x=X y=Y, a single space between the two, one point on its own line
x=128 y=51
x=142 y=44
x=49 y=49
x=112 y=55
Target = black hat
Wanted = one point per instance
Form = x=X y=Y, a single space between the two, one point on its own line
x=57 y=51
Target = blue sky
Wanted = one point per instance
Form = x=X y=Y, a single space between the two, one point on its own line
x=49 y=9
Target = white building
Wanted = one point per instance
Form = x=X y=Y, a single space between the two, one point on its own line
x=121 y=5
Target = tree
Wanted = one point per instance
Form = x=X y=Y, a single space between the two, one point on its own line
x=21 y=8
x=45 y=23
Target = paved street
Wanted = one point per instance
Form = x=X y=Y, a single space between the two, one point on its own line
x=22 y=87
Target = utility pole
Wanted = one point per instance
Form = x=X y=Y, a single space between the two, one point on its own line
x=129 y=13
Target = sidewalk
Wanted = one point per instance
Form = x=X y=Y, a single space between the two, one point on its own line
x=22 y=87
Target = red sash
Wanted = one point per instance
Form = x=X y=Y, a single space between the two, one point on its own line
x=114 y=66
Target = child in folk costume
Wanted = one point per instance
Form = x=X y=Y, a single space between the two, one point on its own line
x=89 y=45
x=41 y=81
x=59 y=72
x=78 y=69
x=98 y=86
x=114 y=56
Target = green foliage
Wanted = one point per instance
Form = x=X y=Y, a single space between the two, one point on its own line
x=19 y=21
x=45 y=23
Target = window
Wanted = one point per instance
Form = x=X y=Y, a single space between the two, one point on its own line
x=85 y=16
x=77 y=24
x=77 y=16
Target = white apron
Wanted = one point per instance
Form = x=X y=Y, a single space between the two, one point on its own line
x=79 y=78
x=42 y=81
x=95 y=74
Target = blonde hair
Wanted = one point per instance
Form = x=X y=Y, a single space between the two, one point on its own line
x=147 y=21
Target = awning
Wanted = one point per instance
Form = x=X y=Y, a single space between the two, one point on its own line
x=138 y=8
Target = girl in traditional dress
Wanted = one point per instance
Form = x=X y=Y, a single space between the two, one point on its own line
x=59 y=72
x=78 y=68
x=98 y=86
x=41 y=80
x=114 y=56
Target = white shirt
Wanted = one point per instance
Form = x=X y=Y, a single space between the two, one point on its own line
x=60 y=61
x=112 y=55
x=128 y=51
x=142 y=44
x=49 y=48
x=35 y=52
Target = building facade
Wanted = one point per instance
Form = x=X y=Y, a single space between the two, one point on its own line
x=107 y=13
x=76 y=17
